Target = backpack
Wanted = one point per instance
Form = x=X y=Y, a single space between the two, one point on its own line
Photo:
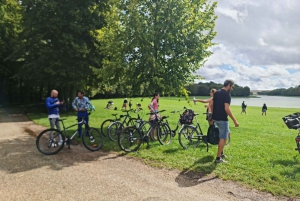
x=213 y=134
x=187 y=117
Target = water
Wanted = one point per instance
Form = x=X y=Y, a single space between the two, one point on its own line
x=271 y=101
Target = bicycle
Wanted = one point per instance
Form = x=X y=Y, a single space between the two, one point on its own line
x=110 y=127
x=131 y=137
x=292 y=121
x=115 y=128
x=51 y=141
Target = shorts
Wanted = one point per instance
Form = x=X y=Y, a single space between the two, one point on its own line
x=223 y=129
x=264 y=110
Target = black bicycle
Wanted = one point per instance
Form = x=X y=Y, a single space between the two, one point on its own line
x=110 y=127
x=115 y=128
x=292 y=121
x=131 y=137
x=51 y=141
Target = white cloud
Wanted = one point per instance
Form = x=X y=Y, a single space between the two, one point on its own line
x=259 y=44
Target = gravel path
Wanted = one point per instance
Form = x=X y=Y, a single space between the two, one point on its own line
x=79 y=174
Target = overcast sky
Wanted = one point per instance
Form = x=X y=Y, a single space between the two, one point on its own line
x=259 y=44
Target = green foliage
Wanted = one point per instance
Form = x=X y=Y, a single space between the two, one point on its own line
x=59 y=42
x=155 y=45
x=292 y=91
x=10 y=17
x=202 y=89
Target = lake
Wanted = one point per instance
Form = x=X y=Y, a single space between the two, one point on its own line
x=271 y=101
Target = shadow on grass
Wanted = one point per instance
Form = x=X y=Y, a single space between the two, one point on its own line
x=21 y=155
x=172 y=150
x=292 y=166
x=195 y=174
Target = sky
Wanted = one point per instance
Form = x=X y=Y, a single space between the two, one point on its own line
x=258 y=44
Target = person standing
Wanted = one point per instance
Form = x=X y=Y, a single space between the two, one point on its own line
x=264 y=110
x=81 y=104
x=153 y=107
x=221 y=110
x=52 y=105
x=244 y=106
x=125 y=103
x=208 y=106
x=130 y=104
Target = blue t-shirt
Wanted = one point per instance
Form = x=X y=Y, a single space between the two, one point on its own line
x=220 y=98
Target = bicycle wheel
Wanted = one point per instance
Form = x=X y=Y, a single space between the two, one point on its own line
x=189 y=137
x=50 y=141
x=132 y=122
x=104 y=126
x=164 y=135
x=130 y=139
x=114 y=130
x=297 y=139
x=92 y=139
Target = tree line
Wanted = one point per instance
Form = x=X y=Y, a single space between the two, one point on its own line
x=105 y=48
x=292 y=91
x=203 y=89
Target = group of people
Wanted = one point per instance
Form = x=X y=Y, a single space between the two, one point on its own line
x=81 y=104
x=263 y=109
x=218 y=110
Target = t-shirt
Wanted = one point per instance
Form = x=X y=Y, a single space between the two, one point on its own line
x=155 y=105
x=220 y=98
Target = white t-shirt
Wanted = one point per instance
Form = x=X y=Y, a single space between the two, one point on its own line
x=53 y=116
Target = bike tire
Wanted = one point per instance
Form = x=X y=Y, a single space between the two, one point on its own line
x=50 y=145
x=104 y=126
x=92 y=139
x=130 y=139
x=164 y=134
x=132 y=122
x=189 y=137
x=114 y=130
x=297 y=143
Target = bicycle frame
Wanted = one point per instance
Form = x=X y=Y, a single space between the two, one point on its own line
x=67 y=140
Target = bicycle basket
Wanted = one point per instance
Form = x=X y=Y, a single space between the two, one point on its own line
x=291 y=120
x=187 y=117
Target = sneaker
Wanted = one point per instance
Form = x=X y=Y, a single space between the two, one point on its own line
x=223 y=156
x=60 y=142
x=220 y=161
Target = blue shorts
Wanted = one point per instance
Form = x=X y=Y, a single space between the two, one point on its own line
x=223 y=129
x=264 y=110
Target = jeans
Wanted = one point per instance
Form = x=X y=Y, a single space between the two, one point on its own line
x=80 y=115
x=223 y=129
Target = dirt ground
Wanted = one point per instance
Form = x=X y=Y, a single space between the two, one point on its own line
x=78 y=174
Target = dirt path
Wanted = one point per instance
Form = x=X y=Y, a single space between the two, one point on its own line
x=79 y=174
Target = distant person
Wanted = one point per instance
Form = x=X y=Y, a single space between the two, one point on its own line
x=138 y=107
x=130 y=104
x=208 y=106
x=81 y=104
x=221 y=110
x=52 y=105
x=244 y=106
x=125 y=103
x=109 y=104
x=264 y=110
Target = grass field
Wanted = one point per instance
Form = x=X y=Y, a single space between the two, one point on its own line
x=261 y=154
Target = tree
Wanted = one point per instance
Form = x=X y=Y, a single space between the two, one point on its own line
x=10 y=16
x=155 y=45
x=59 y=48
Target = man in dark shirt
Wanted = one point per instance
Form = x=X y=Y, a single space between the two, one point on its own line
x=221 y=109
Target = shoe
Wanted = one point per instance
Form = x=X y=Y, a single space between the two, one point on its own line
x=60 y=142
x=223 y=156
x=220 y=161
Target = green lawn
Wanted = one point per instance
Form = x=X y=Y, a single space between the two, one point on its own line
x=261 y=154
